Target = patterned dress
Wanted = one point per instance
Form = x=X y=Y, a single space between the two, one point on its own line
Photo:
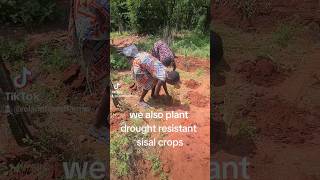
x=89 y=34
x=146 y=70
x=162 y=51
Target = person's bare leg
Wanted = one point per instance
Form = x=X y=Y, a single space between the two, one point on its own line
x=152 y=91
x=102 y=113
x=144 y=93
x=101 y=127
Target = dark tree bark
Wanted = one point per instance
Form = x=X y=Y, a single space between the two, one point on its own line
x=16 y=121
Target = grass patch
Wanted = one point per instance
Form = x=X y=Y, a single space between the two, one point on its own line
x=156 y=166
x=54 y=59
x=284 y=34
x=246 y=131
x=184 y=43
x=124 y=151
x=12 y=51
x=119 y=35
x=128 y=79
x=199 y=72
x=192 y=44
x=147 y=43
x=47 y=143
x=125 y=154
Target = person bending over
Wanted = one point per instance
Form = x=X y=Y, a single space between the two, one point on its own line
x=150 y=74
x=162 y=51
x=89 y=38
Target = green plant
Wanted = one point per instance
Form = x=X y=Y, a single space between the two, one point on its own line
x=156 y=166
x=192 y=44
x=283 y=34
x=151 y=16
x=147 y=43
x=124 y=151
x=155 y=163
x=127 y=79
x=12 y=51
x=120 y=20
x=47 y=143
x=18 y=168
x=54 y=58
x=199 y=72
x=25 y=12
x=246 y=131
x=188 y=43
x=118 y=61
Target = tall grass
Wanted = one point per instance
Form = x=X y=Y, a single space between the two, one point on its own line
x=184 y=43
x=192 y=44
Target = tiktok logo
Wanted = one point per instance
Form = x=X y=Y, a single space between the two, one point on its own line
x=116 y=86
x=21 y=80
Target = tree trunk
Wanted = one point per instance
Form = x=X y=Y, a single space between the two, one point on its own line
x=17 y=121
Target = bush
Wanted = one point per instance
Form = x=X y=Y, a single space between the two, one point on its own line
x=192 y=44
x=118 y=61
x=26 y=11
x=152 y=16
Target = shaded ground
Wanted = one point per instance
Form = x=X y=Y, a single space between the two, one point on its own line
x=261 y=72
x=270 y=103
x=61 y=136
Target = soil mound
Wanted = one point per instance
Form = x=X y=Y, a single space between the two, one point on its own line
x=262 y=72
x=192 y=84
x=197 y=99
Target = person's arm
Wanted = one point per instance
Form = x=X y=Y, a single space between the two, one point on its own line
x=166 y=89
x=158 y=87
x=174 y=65
x=152 y=91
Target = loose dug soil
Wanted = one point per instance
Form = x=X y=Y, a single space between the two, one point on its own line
x=281 y=121
x=197 y=99
x=71 y=73
x=117 y=118
x=191 y=64
x=192 y=84
x=261 y=72
x=124 y=42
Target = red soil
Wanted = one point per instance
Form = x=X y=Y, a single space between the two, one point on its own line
x=197 y=99
x=262 y=72
x=191 y=64
x=192 y=84
x=282 y=122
